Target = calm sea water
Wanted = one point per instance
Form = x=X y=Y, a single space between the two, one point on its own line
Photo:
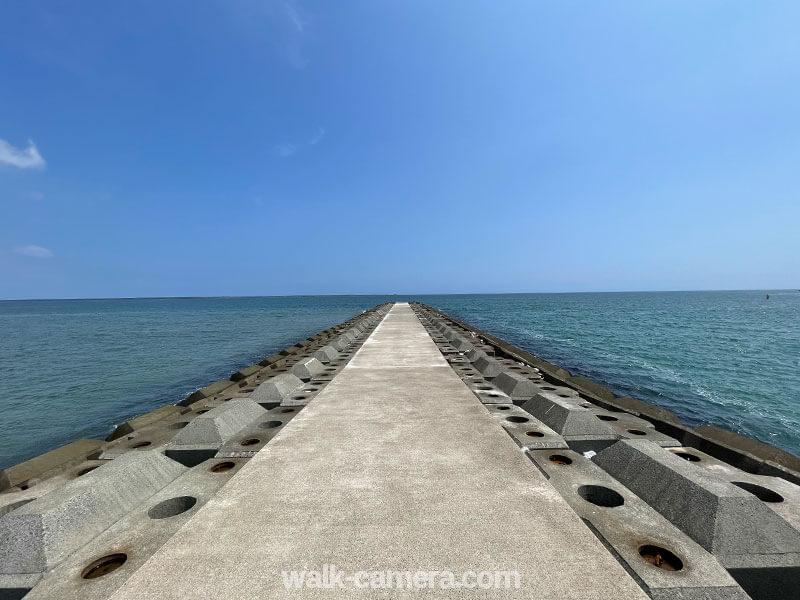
x=76 y=368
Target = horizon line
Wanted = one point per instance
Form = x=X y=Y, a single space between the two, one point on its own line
x=764 y=290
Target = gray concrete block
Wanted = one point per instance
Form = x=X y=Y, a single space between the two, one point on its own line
x=326 y=354
x=258 y=433
x=39 y=535
x=487 y=366
x=139 y=534
x=206 y=392
x=567 y=417
x=461 y=344
x=218 y=425
x=341 y=343
x=154 y=416
x=527 y=431
x=275 y=389
x=515 y=385
x=246 y=372
x=627 y=525
x=779 y=495
x=307 y=368
x=721 y=517
x=62 y=457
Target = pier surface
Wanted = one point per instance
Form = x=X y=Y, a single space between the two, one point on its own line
x=395 y=465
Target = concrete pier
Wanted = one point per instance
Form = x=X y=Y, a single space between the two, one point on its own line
x=395 y=465
x=400 y=454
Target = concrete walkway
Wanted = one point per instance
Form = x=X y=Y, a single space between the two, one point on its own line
x=395 y=466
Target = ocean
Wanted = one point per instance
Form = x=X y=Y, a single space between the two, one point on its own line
x=77 y=368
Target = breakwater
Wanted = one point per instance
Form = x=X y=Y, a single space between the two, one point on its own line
x=662 y=509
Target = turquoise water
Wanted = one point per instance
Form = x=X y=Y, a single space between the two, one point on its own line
x=75 y=368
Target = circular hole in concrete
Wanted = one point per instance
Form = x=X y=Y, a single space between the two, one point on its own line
x=560 y=459
x=636 y=432
x=516 y=419
x=330 y=370
x=287 y=410
x=688 y=456
x=607 y=418
x=222 y=467
x=660 y=557
x=760 y=492
x=200 y=412
x=299 y=397
x=141 y=444
x=170 y=508
x=484 y=387
x=549 y=389
x=104 y=566
x=14 y=505
x=563 y=396
x=179 y=425
x=536 y=434
x=601 y=496
x=501 y=407
x=270 y=424
x=311 y=389
x=83 y=472
x=249 y=442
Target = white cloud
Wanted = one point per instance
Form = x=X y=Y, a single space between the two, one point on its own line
x=289 y=149
x=33 y=251
x=291 y=11
x=27 y=158
x=285 y=150
x=317 y=138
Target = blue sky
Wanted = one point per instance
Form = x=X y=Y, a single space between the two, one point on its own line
x=257 y=147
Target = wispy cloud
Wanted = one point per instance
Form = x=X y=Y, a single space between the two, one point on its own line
x=291 y=11
x=292 y=148
x=317 y=138
x=297 y=23
x=34 y=251
x=285 y=150
x=24 y=158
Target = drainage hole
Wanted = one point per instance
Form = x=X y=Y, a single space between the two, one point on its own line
x=549 y=389
x=607 y=418
x=200 y=412
x=534 y=434
x=560 y=459
x=222 y=467
x=503 y=408
x=661 y=558
x=601 y=496
x=140 y=444
x=516 y=419
x=688 y=456
x=249 y=442
x=104 y=566
x=287 y=410
x=636 y=432
x=762 y=493
x=270 y=425
x=170 y=508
